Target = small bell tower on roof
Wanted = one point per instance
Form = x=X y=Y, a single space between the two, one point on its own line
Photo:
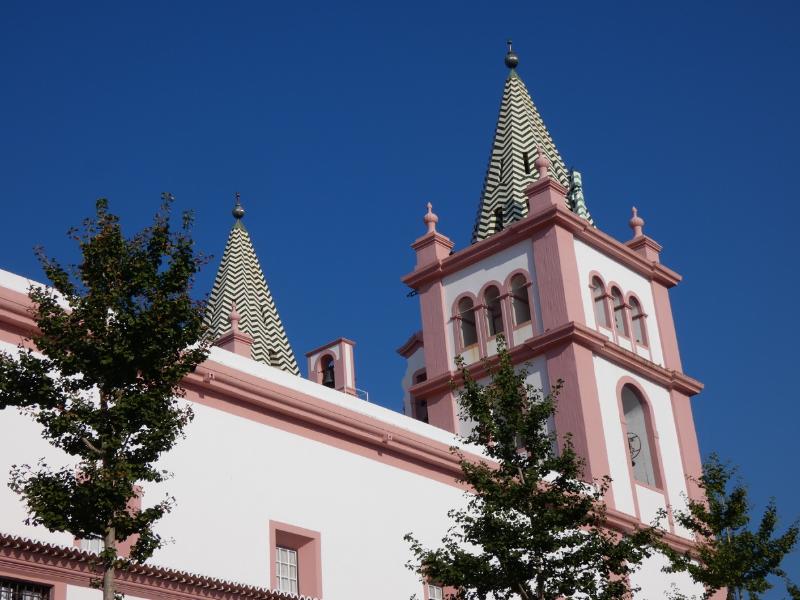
x=520 y=135
x=240 y=283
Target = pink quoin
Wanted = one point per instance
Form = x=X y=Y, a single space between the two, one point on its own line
x=636 y=223
x=430 y=219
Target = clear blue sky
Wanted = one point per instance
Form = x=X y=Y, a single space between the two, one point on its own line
x=337 y=122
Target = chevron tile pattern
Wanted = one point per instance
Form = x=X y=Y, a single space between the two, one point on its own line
x=240 y=279
x=520 y=132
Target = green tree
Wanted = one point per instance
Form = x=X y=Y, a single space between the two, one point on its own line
x=531 y=528
x=115 y=335
x=729 y=554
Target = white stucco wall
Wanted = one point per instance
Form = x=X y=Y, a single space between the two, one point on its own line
x=657 y=585
x=610 y=270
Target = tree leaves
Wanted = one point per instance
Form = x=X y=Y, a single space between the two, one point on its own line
x=532 y=527
x=117 y=333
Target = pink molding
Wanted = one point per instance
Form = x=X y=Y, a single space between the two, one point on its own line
x=411 y=345
x=524 y=229
x=583 y=336
x=343 y=367
x=308 y=545
x=59 y=566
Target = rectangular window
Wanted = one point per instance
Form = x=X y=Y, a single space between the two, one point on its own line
x=435 y=592
x=21 y=590
x=286 y=570
x=92 y=545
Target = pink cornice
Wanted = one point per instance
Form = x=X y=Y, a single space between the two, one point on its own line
x=58 y=565
x=523 y=229
x=411 y=344
x=227 y=389
x=578 y=334
x=329 y=345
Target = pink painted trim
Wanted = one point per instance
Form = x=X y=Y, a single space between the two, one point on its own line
x=456 y=320
x=60 y=566
x=666 y=327
x=645 y=343
x=266 y=402
x=411 y=345
x=58 y=589
x=531 y=306
x=687 y=442
x=524 y=229
x=329 y=345
x=583 y=336
x=308 y=545
x=623 y=308
x=606 y=300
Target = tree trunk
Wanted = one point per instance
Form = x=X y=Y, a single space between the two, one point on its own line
x=110 y=542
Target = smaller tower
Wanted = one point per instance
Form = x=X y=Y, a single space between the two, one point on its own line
x=240 y=290
x=333 y=365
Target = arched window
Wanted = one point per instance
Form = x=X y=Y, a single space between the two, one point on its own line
x=328 y=374
x=636 y=420
x=619 y=312
x=494 y=310
x=469 y=333
x=599 y=299
x=519 y=299
x=637 y=319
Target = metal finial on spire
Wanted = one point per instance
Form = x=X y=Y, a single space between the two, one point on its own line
x=511 y=60
x=238 y=211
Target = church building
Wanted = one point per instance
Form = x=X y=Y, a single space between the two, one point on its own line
x=298 y=486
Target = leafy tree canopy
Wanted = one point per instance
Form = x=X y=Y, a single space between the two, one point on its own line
x=532 y=528
x=115 y=335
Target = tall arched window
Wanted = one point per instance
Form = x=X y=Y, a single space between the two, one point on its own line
x=469 y=333
x=619 y=312
x=636 y=420
x=599 y=300
x=638 y=322
x=494 y=310
x=519 y=299
x=328 y=371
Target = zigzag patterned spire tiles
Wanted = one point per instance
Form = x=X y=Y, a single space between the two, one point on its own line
x=520 y=132
x=240 y=279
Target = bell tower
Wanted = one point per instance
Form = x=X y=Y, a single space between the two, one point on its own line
x=572 y=303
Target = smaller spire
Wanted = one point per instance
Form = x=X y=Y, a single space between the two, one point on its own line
x=234 y=317
x=430 y=219
x=238 y=211
x=636 y=223
x=511 y=59
x=542 y=164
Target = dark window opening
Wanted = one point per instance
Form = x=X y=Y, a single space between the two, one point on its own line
x=23 y=590
x=526 y=161
x=328 y=375
x=498 y=219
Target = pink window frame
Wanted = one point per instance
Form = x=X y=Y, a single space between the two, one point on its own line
x=606 y=302
x=645 y=343
x=623 y=308
x=308 y=545
x=456 y=319
x=502 y=294
x=652 y=435
x=529 y=286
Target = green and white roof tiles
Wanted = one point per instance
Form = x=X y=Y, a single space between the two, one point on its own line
x=240 y=279
x=519 y=137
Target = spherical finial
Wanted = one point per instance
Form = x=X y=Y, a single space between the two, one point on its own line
x=542 y=164
x=511 y=60
x=238 y=211
x=636 y=223
x=430 y=219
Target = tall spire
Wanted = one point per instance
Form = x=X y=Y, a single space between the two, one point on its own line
x=240 y=283
x=519 y=136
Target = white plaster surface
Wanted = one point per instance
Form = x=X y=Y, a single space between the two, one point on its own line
x=657 y=585
x=77 y=592
x=610 y=270
x=650 y=502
